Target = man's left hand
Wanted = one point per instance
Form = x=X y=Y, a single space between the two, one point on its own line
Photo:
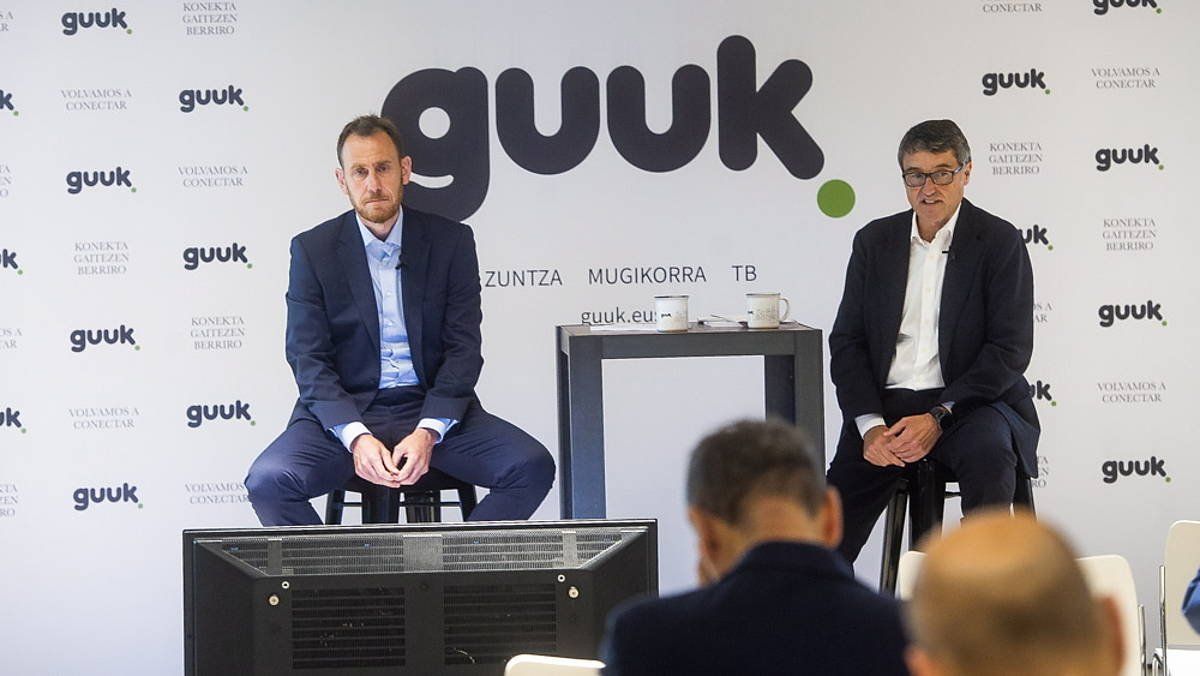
x=416 y=449
x=913 y=437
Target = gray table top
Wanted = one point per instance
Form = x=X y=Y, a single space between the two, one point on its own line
x=572 y=330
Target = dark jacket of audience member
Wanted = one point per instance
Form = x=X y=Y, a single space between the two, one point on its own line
x=777 y=599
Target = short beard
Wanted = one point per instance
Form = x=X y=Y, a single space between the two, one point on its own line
x=361 y=210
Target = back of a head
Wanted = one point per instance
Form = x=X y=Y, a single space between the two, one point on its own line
x=751 y=459
x=1004 y=595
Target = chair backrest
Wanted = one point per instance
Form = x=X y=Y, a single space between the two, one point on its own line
x=544 y=665
x=1181 y=561
x=1111 y=576
x=906 y=573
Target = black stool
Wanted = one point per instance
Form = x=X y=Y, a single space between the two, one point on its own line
x=421 y=501
x=923 y=488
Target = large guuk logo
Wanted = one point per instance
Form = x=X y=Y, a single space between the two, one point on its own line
x=745 y=113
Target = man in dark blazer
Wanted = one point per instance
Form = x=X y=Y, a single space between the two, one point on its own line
x=931 y=341
x=383 y=336
x=776 y=598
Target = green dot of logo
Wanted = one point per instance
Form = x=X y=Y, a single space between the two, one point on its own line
x=137 y=347
x=246 y=108
x=1049 y=247
x=252 y=423
x=1158 y=10
x=1161 y=167
x=1167 y=479
x=1054 y=403
x=16 y=113
x=140 y=505
x=133 y=189
x=835 y=198
x=129 y=31
x=20 y=272
x=1047 y=92
x=1164 y=322
x=24 y=430
x=249 y=266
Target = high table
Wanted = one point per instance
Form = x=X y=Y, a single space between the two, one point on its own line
x=792 y=384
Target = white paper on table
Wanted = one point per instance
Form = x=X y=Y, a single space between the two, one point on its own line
x=731 y=321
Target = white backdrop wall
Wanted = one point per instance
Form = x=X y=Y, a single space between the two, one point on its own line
x=96 y=586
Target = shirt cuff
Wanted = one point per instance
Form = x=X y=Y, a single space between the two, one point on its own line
x=866 y=422
x=438 y=425
x=949 y=405
x=348 y=432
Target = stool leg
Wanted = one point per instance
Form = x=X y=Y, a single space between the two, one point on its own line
x=893 y=535
x=467 y=501
x=393 y=505
x=938 y=501
x=334 y=503
x=1024 y=493
x=377 y=505
x=926 y=503
x=370 y=502
x=418 y=509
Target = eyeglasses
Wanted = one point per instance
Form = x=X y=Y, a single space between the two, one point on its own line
x=916 y=179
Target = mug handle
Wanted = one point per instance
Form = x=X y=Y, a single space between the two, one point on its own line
x=787 y=309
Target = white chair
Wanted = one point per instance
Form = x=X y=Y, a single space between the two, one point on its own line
x=1112 y=576
x=906 y=573
x=544 y=665
x=1179 y=652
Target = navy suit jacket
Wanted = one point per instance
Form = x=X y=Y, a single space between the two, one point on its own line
x=786 y=608
x=333 y=323
x=985 y=329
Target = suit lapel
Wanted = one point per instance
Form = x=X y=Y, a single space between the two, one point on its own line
x=414 y=253
x=966 y=252
x=893 y=278
x=353 y=257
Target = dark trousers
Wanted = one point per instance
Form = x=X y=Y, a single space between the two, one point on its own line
x=978 y=450
x=307 y=461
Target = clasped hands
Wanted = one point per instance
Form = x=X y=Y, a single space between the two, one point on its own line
x=906 y=442
x=401 y=466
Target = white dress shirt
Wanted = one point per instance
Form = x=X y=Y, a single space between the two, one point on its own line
x=395 y=355
x=916 y=365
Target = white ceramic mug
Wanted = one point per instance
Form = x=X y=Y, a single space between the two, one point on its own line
x=672 y=312
x=762 y=310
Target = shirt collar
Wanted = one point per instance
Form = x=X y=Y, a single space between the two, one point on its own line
x=947 y=229
x=394 y=238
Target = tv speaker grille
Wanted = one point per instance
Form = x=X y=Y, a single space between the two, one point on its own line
x=347 y=628
x=488 y=624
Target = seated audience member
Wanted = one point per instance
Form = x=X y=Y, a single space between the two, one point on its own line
x=1191 y=603
x=776 y=598
x=1003 y=595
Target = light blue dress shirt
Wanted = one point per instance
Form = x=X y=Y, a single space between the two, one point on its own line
x=395 y=354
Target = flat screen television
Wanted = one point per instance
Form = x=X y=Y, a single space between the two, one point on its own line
x=406 y=599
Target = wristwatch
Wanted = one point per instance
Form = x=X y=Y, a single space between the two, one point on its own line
x=943 y=416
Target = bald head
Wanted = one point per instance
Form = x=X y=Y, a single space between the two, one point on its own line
x=1004 y=595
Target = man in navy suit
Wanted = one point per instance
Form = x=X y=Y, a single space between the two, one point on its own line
x=383 y=317
x=931 y=341
x=776 y=598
